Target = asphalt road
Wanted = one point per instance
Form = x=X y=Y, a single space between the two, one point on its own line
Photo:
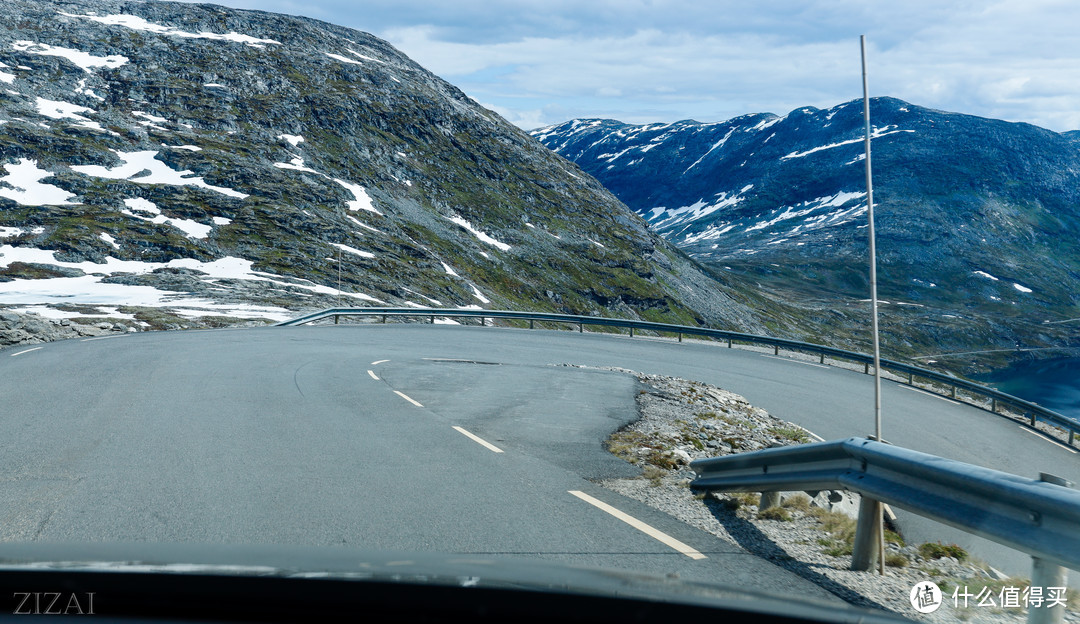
x=413 y=437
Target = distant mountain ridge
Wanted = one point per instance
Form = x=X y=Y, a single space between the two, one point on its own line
x=167 y=164
x=977 y=219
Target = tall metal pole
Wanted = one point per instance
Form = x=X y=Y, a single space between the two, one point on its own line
x=873 y=275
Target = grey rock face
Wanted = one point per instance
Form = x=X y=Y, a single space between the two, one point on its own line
x=242 y=156
x=16 y=329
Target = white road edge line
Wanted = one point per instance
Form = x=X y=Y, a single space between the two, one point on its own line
x=1040 y=434
x=930 y=394
x=377 y=362
x=372 y=373
x=815 y=436
x=106 y=337
x=777 y=357
x=640 y=526
x=27 y=351
x=404 y=396
x=475 y=438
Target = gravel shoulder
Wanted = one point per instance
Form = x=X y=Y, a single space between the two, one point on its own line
x=683 y=420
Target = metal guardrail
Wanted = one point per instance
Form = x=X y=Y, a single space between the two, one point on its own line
x=1039 y=518
x=1031 y=411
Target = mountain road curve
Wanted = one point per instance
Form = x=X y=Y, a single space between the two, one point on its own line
x=418 y=437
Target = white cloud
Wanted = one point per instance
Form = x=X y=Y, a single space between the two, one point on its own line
x=544 y=61
x=527 y=119
x=1013 y=60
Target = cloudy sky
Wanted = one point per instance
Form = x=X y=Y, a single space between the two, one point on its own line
x=539 y=62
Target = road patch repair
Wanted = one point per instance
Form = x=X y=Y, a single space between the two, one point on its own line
x=682 y=420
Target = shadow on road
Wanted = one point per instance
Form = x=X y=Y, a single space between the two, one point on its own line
x=757 y=543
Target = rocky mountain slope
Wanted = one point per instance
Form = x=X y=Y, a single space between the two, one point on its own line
x=977 y=219
x=164 y=164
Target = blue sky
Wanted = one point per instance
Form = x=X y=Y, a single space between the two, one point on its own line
x=539 y=62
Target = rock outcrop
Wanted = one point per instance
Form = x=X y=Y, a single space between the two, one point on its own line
x=243 y=164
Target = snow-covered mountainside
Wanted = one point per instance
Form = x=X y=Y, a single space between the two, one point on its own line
x=977 y=219
x=163 y=162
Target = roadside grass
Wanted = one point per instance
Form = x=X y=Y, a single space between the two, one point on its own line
x=775 y=513
x=793 y=434
x=938 y=550
x=896 y=560
x=839 y=529
x=623 y=444
x=800 y=502
x=653 y=474
x=736 y=500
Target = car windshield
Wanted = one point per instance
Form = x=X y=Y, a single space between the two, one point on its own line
x=477 y=289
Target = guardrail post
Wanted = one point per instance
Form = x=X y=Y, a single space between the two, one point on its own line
x=993 y=405
x=680 y=340
x=776 y=349
x=1032 y=417
x=910 y=379
x=631 y=332
x=769 y=500
x=866 y=368
x=581 y=328
x=432 y=319
x=1071 y=434
x=1045 y=575
x=821 y=360
x=531 y=324
x=867 y=549
x=729 y=343
x=335 y=319
x=384 y=318
x=954 y=392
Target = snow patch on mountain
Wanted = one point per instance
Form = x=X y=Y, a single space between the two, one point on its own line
x=142 y=167
x=711 y=232
x=876 y=134
x=191 y=228
x=361 y=200
x=134 y=22
x=798 y=219
x=82 y=89
x=343 y=59
x=297 y=164
x=715 y=146
x=23 y=184
x=90 y=289
x=664 y=219
x=765 y=123
x=353 y=250
x=54 y=109
x=482 y=236
x=108 y=238
x=479 y=295
x=88 y=62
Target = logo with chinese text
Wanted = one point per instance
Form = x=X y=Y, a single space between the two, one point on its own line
x=926 y=597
